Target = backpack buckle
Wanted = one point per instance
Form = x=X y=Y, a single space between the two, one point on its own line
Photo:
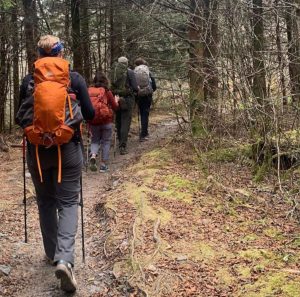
x=48 y=140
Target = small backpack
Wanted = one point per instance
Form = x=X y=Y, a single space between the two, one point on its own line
x=119 y=80
x=142 y=75
x=103 y=112
x=51 y=113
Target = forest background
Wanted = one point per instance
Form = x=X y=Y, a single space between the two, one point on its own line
x=229 y=69
x=209 y=207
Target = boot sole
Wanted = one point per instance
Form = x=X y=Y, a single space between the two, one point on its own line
x=67 y=284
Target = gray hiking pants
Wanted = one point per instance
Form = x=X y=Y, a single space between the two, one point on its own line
x=57 y=202
x=101 y=135
x=123 y=121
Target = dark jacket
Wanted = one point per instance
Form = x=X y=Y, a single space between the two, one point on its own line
x=153 y=83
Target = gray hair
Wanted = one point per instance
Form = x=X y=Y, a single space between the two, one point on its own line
x=123 y=60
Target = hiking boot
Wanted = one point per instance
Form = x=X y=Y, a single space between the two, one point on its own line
x=49 y=261
x=103 y=168
x=64 y=272
x=93 y=165
x=142 y=139
x=123 y=150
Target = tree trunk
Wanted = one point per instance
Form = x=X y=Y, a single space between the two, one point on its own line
x=67 y=22
x=131 y=44
x=3 y=68
x=99 y=48
x=259 y=72
x=30 y=29
x=293 y=50
x=15 y=58
x=196 y=64
x=210 y=54
x=115 y=33
x=85 y=39
x=280 y=54
x=76 y=36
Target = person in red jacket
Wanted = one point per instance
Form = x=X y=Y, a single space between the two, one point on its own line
x=102 y=133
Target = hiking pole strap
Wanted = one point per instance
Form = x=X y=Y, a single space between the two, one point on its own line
x=82 y=222
x=24 y=188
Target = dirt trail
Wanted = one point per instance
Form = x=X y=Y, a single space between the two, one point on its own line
x=157 y=226
x=30 y=275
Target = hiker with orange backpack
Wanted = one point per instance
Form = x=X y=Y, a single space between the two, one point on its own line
x=104 y=104
x=53 y=103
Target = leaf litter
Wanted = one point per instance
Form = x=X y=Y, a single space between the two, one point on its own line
x=158 y=226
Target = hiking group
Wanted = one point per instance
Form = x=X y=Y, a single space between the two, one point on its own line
x=54 y=101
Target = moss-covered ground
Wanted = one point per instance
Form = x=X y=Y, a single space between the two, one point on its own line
x=189 y=234
x=161 y=225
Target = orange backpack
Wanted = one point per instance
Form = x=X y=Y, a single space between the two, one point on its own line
x=51 y=82
x=103 y=112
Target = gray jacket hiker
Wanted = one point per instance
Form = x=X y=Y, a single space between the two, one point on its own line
x=125 y=86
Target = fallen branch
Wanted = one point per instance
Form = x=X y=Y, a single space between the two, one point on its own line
x=229 y=190
x=294 y=271
x=156 y=237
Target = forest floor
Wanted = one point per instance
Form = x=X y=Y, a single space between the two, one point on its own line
x=157 y=225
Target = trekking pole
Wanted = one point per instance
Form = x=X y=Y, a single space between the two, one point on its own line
x=87 y=147
x=115 y=141
x=24 y=188
x=82 y=223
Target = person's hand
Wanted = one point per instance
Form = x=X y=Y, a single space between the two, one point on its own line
x=117 y=98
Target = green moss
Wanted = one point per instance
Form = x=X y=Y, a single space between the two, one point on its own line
x=244 y=271
x=203 y=252
x=164 y=215
x=250 y=237
x=178 y=188
x=261 y=171
x=160 y=155
x=175 y=195
x=198 y=128
x=232 y=212
x=138 y=196
x=180 y=183
x=274 y=284
x=225 y=277
x=273 y=233
x=292 y=137
x=147 y=175
x=156 y=159
x=259 y=256
x=296 y=242
x=228 y=154
x=223 y=155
